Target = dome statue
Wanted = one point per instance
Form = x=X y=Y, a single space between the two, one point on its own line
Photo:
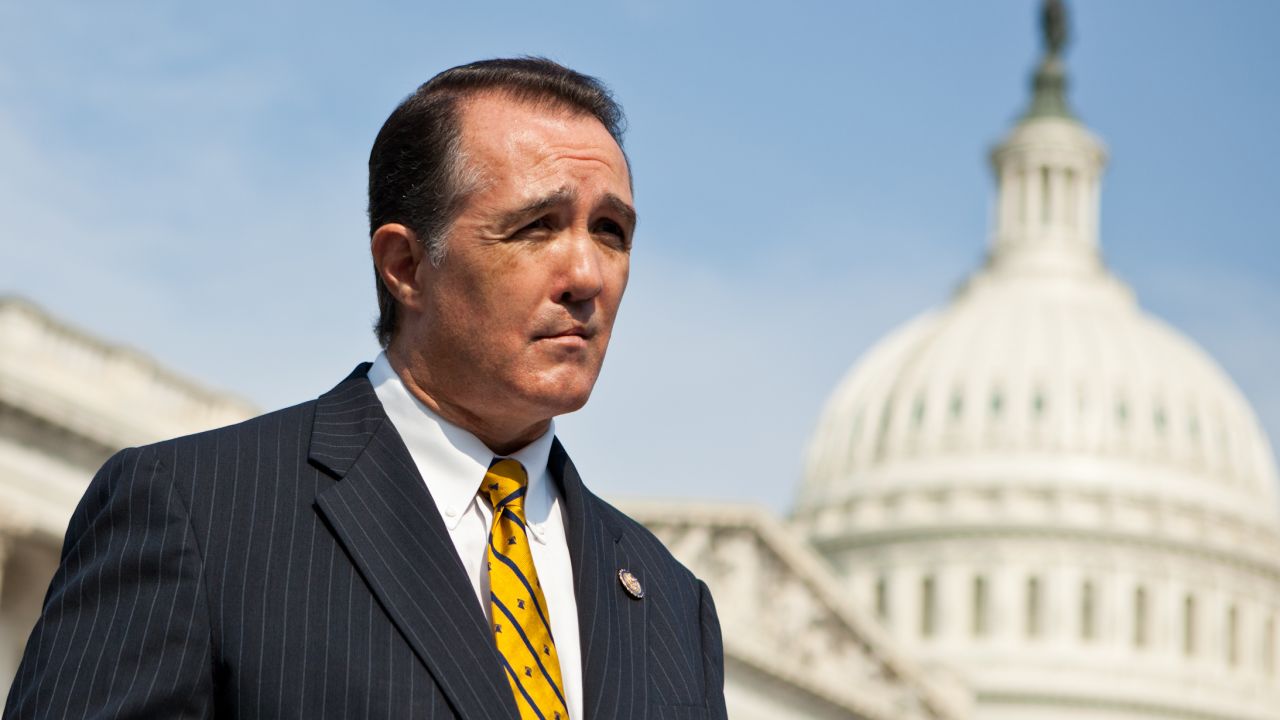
x=1046 y=490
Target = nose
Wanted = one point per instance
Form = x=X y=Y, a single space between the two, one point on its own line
x=583 y=276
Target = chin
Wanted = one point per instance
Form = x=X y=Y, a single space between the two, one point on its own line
x=564 y=395
x=570 y=402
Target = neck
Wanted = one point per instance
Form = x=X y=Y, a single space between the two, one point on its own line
x=502 y=436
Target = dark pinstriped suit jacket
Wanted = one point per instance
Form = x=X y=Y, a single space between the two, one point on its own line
x=293 y=566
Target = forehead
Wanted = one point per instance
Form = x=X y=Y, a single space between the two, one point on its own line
x=508 y=138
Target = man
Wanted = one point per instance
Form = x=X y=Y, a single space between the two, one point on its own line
x=416 y=542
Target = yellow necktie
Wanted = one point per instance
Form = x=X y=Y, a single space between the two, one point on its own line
x=521 y=625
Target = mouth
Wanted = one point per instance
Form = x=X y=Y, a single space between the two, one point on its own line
x=578 y=334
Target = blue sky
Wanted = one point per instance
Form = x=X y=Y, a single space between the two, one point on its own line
x=188 y=179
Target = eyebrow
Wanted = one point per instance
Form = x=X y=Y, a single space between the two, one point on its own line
x=539 y=206
x=621 y=207
x=565 y=195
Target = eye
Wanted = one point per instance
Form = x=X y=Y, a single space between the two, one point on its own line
x=541 y=224
x=614 y=232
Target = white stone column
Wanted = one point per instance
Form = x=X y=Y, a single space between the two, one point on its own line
x=1035 y=201
x=952 y=602
x=904 y=603
x=1122 y=610
x=4 y=558
x=8 y=645
x=1061 y=605
x=1058 y=203
x=1007 y=610
x=1093 y=208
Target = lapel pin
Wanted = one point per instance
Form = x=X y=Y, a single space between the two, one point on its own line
x=630 y=584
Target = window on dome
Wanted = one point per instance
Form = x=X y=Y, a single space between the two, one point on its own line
x=997 y=403
x=1140 y=617
x=1189 y=626
x=918 y=413
x=882 y=597
x=1160 y=420
x=1232 y=636
x=928 y=606
x=1088 y=612
x=1024 y=194
x=1122 y=412
x=1038 y=404
x=1034 y=621
x=1045 y=196
x=957 y=405
x=1269 y=646
x=1072 y=202
x=882 y=437
x=981 y=614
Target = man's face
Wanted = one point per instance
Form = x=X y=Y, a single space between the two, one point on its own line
x=516 y=319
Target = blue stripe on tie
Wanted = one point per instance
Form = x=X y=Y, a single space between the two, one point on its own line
x=520 y=576
x=506 y=512
x=515 y=494
x=516 y=679
x=537 y=657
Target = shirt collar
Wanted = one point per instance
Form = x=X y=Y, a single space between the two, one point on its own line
x=450 y=459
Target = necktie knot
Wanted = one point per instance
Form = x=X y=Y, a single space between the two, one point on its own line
x=505 y=484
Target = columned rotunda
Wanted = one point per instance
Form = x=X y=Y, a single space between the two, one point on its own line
x=1046 y=491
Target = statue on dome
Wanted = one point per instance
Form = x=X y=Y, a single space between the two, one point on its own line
x=1053 y=22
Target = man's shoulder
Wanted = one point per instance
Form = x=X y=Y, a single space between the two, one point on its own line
x=292 y=421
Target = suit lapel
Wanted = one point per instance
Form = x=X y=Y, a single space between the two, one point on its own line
x=611 y=624
x=383 y=515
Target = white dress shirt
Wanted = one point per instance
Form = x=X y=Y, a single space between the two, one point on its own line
x=453 y=463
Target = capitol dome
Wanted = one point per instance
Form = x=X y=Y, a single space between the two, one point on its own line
x=1043 y=374
x=1045 y=490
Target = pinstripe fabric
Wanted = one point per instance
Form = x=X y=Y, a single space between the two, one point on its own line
x=293 y=566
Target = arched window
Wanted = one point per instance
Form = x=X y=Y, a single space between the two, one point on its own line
x=1189 y=626
x=1034 y=621
x=1073 y=205
x=1023 y=194
x=928 y=606
x=882 y=597
x=1088 y=612
x=981 y=612
x=1046 y=214
x=1140 y=617
x=918 y=412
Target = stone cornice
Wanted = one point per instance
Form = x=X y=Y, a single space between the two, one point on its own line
x=1079 y=514
x=804 y=628
x=107 y=395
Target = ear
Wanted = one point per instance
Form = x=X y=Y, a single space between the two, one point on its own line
x=397 y=253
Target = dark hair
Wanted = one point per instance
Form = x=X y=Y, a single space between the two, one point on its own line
x=417 y=173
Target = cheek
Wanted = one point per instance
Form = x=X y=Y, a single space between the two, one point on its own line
x=620 y=272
